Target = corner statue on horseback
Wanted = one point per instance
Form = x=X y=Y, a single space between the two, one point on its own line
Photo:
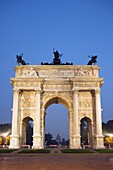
x=93 y=60
x=20 y=60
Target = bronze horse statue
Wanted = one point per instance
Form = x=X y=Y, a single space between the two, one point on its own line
x=93 y=60
x=20 y=60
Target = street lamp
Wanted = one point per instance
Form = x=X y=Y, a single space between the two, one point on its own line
x=5 y=135
x=110 y=139
x=110 y=135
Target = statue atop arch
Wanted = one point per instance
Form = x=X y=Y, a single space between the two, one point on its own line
x=57 y=56
x=93 y=60
x=56 y=59
x=20 y=60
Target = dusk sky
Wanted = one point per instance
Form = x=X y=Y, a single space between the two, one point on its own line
x=76 y=28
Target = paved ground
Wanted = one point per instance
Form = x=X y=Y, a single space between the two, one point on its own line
x=56 y=162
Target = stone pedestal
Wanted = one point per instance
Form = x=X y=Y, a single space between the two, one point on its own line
x=99 y=142
x=14 y=142
x=37 y=142
x=75 y=142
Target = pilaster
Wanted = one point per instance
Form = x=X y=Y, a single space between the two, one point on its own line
x=99 y=142
x=76 y=134
x=37 y=136
x=14 y=138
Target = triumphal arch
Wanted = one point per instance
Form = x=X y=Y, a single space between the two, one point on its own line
x=38 y=86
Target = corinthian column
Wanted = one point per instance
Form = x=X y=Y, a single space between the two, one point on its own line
x=37 y=136
x=99 y=143
x=76 y=135
x=14 y=138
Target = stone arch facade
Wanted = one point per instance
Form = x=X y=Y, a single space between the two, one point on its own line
x=37 y=87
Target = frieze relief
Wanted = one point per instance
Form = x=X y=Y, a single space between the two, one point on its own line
x=86 y=84
x=27 y=113
x=67 y=95
x=27 y=84
x=56 y=87
x=85 y=114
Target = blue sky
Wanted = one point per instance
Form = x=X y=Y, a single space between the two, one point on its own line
x=77 y=28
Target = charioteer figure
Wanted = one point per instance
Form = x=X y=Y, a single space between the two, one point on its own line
x=57 y=56
x=56 y=59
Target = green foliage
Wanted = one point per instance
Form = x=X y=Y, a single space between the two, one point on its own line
x=48 y=137
x=104 y=150
x=7 y=150
x=107 y=127
x=35 y=151
x=76 y=151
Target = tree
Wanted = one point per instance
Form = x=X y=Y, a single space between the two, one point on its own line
x=5 y=128
x=107 y=127
x=48 y=138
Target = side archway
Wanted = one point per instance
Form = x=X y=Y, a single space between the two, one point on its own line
x=86 y=131
x=27 y=131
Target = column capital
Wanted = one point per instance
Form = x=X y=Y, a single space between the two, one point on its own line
x=96 y=91
x=38 y=90
x=75 y=91
x=16 y=90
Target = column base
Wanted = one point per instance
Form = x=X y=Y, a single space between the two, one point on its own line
x=99 y=142
x=14 y=142
x=37 y=142
x=75 y=142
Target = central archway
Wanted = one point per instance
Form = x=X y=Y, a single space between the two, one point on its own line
x=61 y=102
x=56 y=123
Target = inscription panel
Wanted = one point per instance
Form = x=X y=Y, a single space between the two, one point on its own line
x=60 y=71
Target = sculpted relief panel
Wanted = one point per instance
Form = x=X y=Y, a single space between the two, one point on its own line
x=85 y=100
x=28 y=99
x=85 y=104
x=85 y=72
